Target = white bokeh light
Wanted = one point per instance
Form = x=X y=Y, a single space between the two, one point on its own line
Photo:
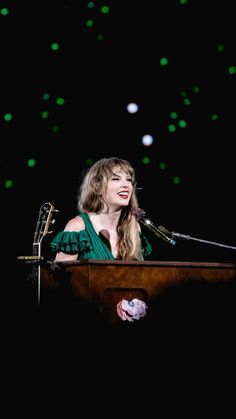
x=132 y=107
x=147 y=140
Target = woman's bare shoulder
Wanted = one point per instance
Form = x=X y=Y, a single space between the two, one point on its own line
x=75 y=224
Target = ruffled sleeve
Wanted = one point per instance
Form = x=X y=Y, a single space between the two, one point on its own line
x=71 y=242
x=146 y=246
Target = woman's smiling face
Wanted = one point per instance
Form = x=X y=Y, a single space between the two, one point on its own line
x=119 y=189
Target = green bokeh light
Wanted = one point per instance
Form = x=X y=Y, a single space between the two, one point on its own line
x=55 y=46
x=171 y=128
x=146 y=160
x=162 y=166
x=105 y=9
x=173 y=115
x=182 y=123
x=232 y=69
x=4 y=11
x=31 y=162
x=55 y=129
x=44 y=114
x=7 y=117
x=46 y=96
x=176 y=180
x=163 y=61
x=89 y=23
x=8 y=183
x=60 y=101
x=187 y=101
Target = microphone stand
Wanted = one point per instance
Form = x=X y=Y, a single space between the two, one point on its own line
x=37 y=262
x=187 y=237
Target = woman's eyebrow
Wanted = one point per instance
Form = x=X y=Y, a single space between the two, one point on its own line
x=120 y=174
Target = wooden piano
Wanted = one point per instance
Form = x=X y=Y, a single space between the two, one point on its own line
x=102 y=284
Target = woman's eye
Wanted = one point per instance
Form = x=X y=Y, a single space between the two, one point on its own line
x=117 y=178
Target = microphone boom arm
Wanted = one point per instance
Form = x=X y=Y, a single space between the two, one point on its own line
x=187 y=237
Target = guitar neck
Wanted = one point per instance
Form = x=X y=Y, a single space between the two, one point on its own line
x=36 y=249
x=42 y=229
x=35 y=272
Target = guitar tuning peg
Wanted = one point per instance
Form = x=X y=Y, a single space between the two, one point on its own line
x=52 y=221
x=55 y=210
x=50 y=232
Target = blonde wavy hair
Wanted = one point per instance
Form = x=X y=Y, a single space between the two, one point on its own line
x=91 y=198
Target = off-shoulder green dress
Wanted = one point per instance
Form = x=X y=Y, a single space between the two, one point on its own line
x=88 y=244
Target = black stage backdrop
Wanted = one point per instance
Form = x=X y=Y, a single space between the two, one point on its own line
x=67 y=77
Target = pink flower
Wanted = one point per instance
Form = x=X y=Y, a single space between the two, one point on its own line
x=131 y=310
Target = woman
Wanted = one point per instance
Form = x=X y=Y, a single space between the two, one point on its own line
x=105 y=227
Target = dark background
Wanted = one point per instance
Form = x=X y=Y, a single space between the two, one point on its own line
x=189 y=347
x=98 y=70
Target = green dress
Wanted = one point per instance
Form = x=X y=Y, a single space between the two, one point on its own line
x=88 y=244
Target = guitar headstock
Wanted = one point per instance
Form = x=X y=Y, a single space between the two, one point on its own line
x=45 y=220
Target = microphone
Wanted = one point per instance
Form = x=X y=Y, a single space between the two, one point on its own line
x=160 y=231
